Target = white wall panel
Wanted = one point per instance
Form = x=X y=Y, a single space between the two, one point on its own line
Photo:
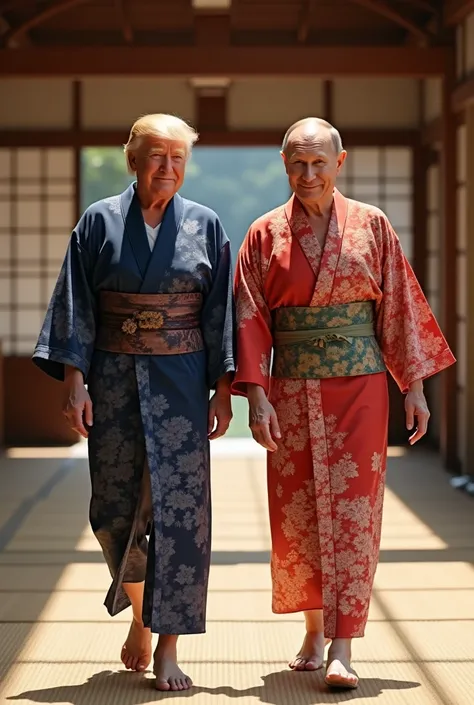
x=469 y=41
x=111 y=102
x=433 y=98
x=274 y=103
x=35 y=103
x=376 y=102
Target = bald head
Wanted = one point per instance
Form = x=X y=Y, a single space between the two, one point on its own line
x=309 y=128
x=313 y=156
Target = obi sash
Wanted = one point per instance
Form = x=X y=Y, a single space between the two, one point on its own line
x=312 y=342
x=149 y=324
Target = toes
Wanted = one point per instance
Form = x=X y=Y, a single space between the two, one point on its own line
x=188 y=682
x=313 y=665
x=162 y=684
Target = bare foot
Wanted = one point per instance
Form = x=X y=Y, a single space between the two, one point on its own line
x=168 y=674
x=136 y=652
x=311 y=655
x=339 y=674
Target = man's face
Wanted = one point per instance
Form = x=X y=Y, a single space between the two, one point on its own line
x=312 y=165
x=160 y=165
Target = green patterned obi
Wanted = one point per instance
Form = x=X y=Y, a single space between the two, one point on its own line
x=313 y=342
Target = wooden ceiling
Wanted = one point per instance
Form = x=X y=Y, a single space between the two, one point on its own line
x=174 y=23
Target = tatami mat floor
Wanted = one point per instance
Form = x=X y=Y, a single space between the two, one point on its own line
x=58 y=645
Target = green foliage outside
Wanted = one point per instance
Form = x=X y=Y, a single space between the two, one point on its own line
x=240 y=184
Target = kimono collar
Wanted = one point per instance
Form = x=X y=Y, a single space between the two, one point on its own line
x=129 y=200
x=323 y=261
x=152 y=265
x=298 y=220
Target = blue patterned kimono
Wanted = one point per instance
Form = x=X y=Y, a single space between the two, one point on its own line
x=150 y=411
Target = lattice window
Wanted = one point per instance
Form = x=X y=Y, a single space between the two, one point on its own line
x=37 y=197
x=383 y=177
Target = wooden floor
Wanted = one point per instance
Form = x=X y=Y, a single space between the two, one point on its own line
x=58 y=645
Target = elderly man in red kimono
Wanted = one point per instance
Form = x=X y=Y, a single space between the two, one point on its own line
x=323 y=281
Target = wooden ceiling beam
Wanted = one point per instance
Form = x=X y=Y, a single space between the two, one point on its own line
x=304 y=24
x=207 y=137
x=8 y=5
x=426 y=5
x=456 y=11
x=123 y=7
x=226 y=61
x=383 y=8
x=51 y=11
x=212 y=29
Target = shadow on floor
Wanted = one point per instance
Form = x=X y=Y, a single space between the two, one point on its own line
x=26 y=485
x=280 y=688
x=420 y=482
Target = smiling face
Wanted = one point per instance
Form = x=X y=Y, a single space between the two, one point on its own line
x=312 y=164
x=159 y=164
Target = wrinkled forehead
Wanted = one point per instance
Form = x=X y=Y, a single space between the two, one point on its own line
x=310 y=141
x=161 y=144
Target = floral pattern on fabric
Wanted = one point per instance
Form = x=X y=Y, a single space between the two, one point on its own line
x=326 y=480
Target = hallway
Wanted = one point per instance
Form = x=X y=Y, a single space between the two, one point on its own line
x=58 y=645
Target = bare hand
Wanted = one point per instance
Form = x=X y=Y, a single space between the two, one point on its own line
x=77 y=406
x=415 y=405
x=263 y=420
x=220 y=410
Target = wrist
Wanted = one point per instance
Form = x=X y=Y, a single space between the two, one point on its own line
x=255 y=393
x=73 y=375
x=416 y=386
x=223 y=385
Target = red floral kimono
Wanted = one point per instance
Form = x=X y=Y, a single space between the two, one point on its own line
x=326 y=480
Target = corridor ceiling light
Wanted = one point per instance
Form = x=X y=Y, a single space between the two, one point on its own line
x=210 y=82
x=211 y=4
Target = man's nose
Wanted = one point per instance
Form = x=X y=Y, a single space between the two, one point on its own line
x=166 y=162
x=309 y=172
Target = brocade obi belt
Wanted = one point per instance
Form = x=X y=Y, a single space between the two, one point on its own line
x=319 y=342
x=149 y=324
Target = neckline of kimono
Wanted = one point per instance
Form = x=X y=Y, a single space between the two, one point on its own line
x=153 y=230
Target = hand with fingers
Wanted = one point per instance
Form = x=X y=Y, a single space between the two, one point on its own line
x=263 y=420
x=77 y=407
x=416 y=406
x=220 y=415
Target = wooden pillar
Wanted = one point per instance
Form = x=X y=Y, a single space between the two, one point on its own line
x=469 y=353
x=76 y=128
x=328 y=92
x=449 y=436
x=211 y=103
x=420 y=209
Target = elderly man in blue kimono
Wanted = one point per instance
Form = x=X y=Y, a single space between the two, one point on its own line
x=142 y=314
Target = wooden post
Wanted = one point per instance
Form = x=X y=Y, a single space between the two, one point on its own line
x=449 y=435
x=469 y=391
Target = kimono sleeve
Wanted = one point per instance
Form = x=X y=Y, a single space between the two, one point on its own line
x=412 y=343
x=254 y=322
x=68 y=333
x=218 y=315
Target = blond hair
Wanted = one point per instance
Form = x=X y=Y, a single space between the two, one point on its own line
x=160 y=125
